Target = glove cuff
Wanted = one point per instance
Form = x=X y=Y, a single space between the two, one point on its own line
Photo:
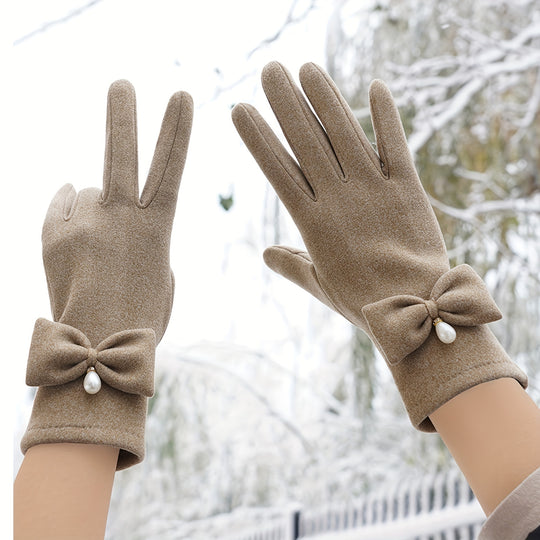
x=438 y=347
x=437 y=372
x=87 y=395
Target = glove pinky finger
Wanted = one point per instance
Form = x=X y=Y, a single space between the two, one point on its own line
x=389 y=132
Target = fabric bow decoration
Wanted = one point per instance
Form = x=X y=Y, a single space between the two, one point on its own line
x=60 y=354
x=400 y=324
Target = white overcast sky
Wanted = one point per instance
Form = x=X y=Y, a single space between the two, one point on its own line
x=55 y=89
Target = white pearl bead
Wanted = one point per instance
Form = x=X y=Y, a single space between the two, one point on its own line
x=92 y=382
x=445 y=332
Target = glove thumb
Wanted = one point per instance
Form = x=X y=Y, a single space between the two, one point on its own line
x=62 y=204
x=296 y=266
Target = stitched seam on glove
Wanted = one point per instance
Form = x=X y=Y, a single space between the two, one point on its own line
x=312 y=196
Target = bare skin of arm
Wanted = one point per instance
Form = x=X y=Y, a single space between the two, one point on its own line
x=493 y=432
x=62 y=491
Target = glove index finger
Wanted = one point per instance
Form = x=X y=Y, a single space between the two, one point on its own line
x=171 y=150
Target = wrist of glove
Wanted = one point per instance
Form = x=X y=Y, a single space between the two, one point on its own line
x=431 y=366
x=90 y=395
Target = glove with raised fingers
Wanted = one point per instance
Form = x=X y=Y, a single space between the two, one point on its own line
x=375 y=252
x=106 y=258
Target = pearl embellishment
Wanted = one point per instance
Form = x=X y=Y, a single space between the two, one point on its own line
x=92 y=382
x=444 y=331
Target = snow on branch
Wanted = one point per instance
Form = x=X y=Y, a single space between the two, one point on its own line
x=453 y=109
x=514 y=206
x=45 y=26
x=470 y=215
x=441 y=88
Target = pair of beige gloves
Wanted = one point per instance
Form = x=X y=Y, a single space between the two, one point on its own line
x=375 y=254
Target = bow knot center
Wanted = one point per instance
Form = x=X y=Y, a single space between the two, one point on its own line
x=432 y=308
x=92 y=357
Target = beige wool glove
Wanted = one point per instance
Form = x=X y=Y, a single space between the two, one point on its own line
x=106 y=258
x=375 y=252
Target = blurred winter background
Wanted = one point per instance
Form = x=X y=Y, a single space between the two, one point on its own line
x=265 y=398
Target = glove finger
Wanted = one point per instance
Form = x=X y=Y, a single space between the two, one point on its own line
x=62 y=203
x=120 y=172
x=296 y=266
x=276 y=163
x=170 y=154
x=303 y=131
x=348 y=139
x=389 y=133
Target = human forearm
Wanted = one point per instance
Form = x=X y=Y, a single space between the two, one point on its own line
x=62 y=491
x=493 y=432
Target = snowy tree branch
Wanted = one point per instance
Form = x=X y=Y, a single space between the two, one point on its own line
x=244 y=383
x=440 y=97
x=514 y=206
x=289 y=20
x=44 y=27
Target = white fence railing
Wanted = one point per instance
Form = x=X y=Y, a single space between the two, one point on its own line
x=437 y=507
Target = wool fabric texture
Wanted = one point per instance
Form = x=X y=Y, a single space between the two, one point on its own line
x=106 y=258
x=371 y=235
